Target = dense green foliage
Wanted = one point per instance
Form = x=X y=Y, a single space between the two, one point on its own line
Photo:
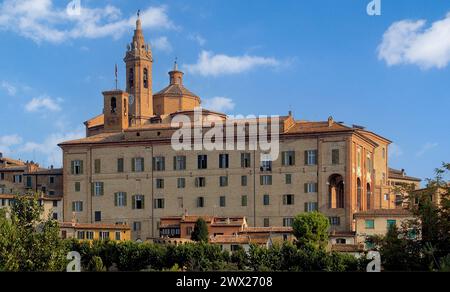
x=28 y=242
x=200 y=233
x=422 y=244
x=311 y=230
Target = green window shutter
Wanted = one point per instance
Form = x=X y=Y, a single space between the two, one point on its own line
x=306 y=207
x=306 y=188
x=143 y=164
x=293 y=157
x=133 y=199
x=115 y=199
x=164 y=163
x=316 y=154
x=284 y=200
x=133 y=164
x=306 y=157
x=125 y=199
x=174 y=163
x=261 y=180
x=317 y=187
x=72 y=167
x=154 y=163
x=81 y=167
x=102 y=189
x=143 y=202
x=73 y=206
x=92 y=189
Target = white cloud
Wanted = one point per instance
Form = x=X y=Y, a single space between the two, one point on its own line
x=411 y=42
x=7 y=142
x=209 y=64
x=49 y=147
x=9 y=88
x=42 y=21
x=220 y=104
x=162 y=44
x=395 y=151
x=201 y=41
x=43 y=103
x=426 y=148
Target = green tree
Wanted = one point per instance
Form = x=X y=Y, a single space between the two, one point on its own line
x=311 y=230
x=200 y=233
x=29 y=241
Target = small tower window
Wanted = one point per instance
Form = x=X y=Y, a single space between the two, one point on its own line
x=131 y=78
x=145 y=78
x=113 y=105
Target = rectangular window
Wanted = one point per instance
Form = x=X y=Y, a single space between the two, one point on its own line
x=266 y=200
x=138 y=202
x=160 y=183
x=288 y=200
x=181 y=183
x=55 y=203
x=137 y=226
x=288 y=222
x=104 y=235
x=244 y=180
x=222 y=201
x=200 y=202
x=55 y=216
x=137 y=164
x=200 y=182
x=311 y=207
x=81 y=235
x=159 y=163
x=288 y=158
x=311 y=157
x=391 y=223
x=17 y=179
x=266 y=162
x=266 y=180
x=77 y=206
x=120 y=199
x=29 y=182
x=288 y=179
x=97 y=165
x=117 y=236
x=159 y=203
x=335 y=221
x=335 y=156
x=386 y=197
x=266 y=222
x=89 y=235
x=244 y=201
x=202 y=161
x=311 y=188
x=51 y=180
x=77 y=167
x=370 y=224
x=224 y=161
x=179 y=163
x=246 y=160
x=98 y=216
x=2 y=176
x=77 y=186
x=98 y=189
x=223 y=181
x=120 y=165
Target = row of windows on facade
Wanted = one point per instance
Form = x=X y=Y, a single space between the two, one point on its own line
x=180 y=162
x=18 y=179
x=102 y=235
x=138 y=202
x=370 y=223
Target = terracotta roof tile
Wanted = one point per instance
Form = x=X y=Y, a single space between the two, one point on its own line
x=401 y=175
x=175 y=90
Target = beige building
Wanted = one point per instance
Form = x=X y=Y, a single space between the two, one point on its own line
x=126 y=171
x=401 y=186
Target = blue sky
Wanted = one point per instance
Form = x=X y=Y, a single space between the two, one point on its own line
x=317 y=58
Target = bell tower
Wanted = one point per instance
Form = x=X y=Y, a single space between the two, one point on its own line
x=139 y=62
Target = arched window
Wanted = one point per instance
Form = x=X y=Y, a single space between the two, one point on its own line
x=131 y=78
x=358 y=195
x=113 y=105
x=369 y=195
x=336 y=192
x=145 y=78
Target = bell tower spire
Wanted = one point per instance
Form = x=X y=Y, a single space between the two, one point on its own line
x=139 y=68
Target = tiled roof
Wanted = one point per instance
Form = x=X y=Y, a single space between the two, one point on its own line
x=317 y=127
x=95 y=121
x=267 y=230
x=175 y=90
x=400 y=174
x=94 y=226
x=384 y=212
x=347 y=247
x=100 y=138
x=54 y=171
x=239 y=239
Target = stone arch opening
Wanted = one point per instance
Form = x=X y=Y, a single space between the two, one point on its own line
x=336 y=194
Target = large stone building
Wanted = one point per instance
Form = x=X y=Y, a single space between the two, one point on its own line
x=126 y=170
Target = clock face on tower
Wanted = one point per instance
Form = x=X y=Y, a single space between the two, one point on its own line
x=131 y=99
